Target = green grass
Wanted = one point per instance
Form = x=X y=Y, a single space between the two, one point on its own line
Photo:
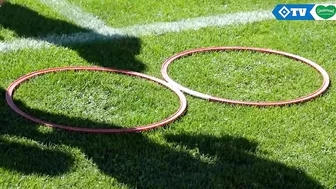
x=112 y=100
x=125 y=13
x=248 y=76
x=18 y=17
x=212 y=146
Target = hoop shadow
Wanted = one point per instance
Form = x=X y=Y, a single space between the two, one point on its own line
x=133 y=159
x=32 y=159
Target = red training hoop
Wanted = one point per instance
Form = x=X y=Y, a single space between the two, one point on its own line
x=177 y=114
x=323 y=88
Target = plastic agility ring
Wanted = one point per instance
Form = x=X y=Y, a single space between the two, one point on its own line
x=177 y=114
x=318 y=92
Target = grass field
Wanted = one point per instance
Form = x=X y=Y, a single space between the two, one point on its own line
x=212 y=145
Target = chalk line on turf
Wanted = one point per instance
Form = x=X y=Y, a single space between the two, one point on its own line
x=138 y=30
x=87 y=20
x=78 y=16
x=102 y=32
x=197 y=23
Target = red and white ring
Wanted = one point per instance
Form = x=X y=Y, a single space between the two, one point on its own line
x=323 y=88
x=177 y=114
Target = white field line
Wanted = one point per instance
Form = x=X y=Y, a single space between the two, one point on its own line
x=23 y=44
x=58 y=40
x=198 y=23
x=138 y=30
x=78 y=16
x=89 y=21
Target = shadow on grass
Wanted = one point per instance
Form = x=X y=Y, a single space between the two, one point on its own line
x=186 y=161
x=32 y=159
x=65 y=120
x=114 y=51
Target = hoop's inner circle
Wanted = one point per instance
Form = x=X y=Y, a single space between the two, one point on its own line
x=243 y=75
x=95 y=99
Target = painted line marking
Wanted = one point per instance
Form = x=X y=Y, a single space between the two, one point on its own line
x=138 y=30
x=198 y=23
x=78 y=16
x=104 y=33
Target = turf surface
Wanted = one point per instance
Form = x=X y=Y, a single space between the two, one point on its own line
x=108 y=100
x=212 y=146
x=124 y=13
x=245 y=75
x=32 y=19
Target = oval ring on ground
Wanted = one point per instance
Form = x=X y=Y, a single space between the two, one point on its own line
x=323 y=88
x=177 y=114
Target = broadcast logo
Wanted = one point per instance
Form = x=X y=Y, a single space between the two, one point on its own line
x=305 y=12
